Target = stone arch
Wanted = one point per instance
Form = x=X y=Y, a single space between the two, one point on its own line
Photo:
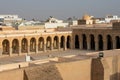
x=100 y=42
x=68 y=42
x=32 y=44
x=6 y=47
x=48 y=43
x=109 y=42
x=62 y=41
x=55 y=42
x=41 y=44
x=117 y=38
x=24 y=45
x=92 y=42
x=15 y=46
x=84 y=41
x=77 y=42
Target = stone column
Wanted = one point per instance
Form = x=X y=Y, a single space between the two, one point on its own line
x=65 y=46
x=114 y=44
x=36 y=48
x=96 y=45
x=96 y=42
x=19 y=50
x=73 y=43
x=88 y=46
x=58 y=45
x=10 y=51
x=88 y=43
x=28 y=51
x=1 y=51
x=28 y=46
x=81 y=43
x=104 y=45
x=51 y=46
x=44 y=47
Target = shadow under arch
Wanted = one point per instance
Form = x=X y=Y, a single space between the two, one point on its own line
x=6 y=47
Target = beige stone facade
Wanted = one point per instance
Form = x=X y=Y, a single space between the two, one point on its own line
x=18 y=42
x=97 y=38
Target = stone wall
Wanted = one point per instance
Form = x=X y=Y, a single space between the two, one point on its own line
x=77 y=70
x=5 y=67
x=12 y=75
x=107 y=68
x=96 y=38
x=45 y=72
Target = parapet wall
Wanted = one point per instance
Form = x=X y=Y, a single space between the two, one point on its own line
x=12 y=75
x=6 y=67
x=44 y=72
x=77 y=70
x=107 y=68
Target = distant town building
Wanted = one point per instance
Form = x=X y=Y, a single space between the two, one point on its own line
x=72 y=21
x=54 y=23
x=85 y=20
x=107 y=19
x=111 y=18
x=49 y=23
x=98 y=20
x=9 y=20
x=27 y=25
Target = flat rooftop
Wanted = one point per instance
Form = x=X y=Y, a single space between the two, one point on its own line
x=93 y=26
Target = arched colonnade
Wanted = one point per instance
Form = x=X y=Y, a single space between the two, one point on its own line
x=96 y=42
x=35 y=44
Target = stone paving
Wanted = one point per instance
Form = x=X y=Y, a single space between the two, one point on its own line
x=40 y=56
x=82 y=54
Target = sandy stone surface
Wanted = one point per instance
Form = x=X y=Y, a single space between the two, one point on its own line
x=44 y=72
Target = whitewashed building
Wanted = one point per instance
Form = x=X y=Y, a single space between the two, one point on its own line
x=110 y=18
x=54 y=23
x=9 y=19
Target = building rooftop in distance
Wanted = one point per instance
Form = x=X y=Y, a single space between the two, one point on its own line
x=94 y=26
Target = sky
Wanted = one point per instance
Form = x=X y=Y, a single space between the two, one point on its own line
x=61 y=9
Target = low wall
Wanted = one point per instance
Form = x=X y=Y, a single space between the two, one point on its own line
x=44 y=72
x=12 y=75
x=76 y=70
x=13 y=66
x=112 y=68
x=107 y=68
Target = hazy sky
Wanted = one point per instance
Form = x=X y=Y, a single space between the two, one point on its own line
x=61 y=9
